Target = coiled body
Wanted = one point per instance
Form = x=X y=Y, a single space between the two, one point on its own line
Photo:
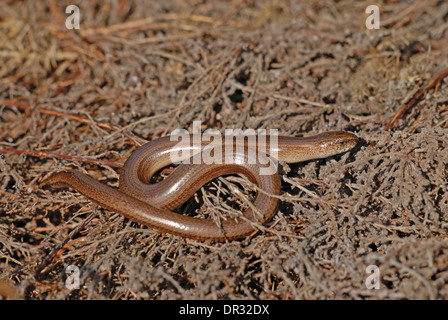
x=151 y=204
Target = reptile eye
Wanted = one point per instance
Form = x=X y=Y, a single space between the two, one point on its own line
x=342 y=143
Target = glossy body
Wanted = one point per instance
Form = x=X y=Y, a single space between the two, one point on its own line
x=151 y=204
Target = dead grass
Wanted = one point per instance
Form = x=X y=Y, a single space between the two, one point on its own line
x=133 y=72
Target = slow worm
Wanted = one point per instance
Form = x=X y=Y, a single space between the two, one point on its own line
x=152 y=204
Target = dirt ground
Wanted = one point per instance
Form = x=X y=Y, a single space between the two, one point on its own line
x=135 y=71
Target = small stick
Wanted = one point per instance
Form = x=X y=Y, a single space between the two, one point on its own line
x=434 y=83
x=46 y=154
x=75 y=117
x=61 y=247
